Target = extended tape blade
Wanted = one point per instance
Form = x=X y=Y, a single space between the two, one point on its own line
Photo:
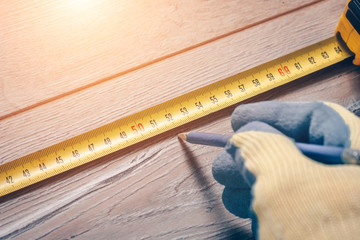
x=132 y=129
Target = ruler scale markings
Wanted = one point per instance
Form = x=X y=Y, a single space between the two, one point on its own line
x=150 y=122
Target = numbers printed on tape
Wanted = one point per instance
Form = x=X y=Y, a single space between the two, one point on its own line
x=163 y=117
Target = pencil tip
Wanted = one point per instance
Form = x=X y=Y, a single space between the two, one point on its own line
x=182 y=136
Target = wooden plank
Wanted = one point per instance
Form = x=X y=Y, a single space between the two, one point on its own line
x=51 y=49
x=93 y=107
x=163 y=190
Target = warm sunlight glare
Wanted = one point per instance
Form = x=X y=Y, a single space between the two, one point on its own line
x=83 y=8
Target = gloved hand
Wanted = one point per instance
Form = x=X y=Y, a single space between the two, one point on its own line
x=289 y=195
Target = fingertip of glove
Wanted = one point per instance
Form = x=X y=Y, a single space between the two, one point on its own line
x=237 y=201
x=226 y=172
x=249 y=112
x=315 y=122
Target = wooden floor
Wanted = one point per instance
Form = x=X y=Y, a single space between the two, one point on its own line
x=67 y=67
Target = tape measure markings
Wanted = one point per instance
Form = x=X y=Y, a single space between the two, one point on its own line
x=163 y=117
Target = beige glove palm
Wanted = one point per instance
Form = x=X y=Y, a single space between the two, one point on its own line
x=296 y=197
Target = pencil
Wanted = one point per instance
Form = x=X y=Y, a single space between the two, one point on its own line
x=324 y=154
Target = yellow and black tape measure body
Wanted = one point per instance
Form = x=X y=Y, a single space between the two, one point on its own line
x=132 y=129
x=348 y=28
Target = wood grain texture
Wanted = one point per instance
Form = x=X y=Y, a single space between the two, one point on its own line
x=93 y=107
x=80 y=43
x=161 y=188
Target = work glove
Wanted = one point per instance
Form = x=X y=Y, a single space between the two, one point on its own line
x=286 y=194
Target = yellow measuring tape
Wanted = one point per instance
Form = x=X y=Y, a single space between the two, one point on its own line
x=163 y=117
